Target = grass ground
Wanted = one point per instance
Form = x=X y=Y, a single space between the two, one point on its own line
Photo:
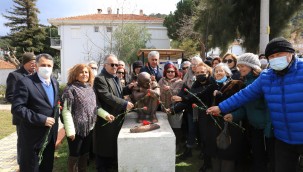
x=6 y=126
x=61 y=155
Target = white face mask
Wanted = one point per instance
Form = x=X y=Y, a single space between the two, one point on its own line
x=278 y=63
x=95 y=72
x=45 y=72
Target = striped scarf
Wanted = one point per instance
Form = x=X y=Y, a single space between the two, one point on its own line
x=81 y=101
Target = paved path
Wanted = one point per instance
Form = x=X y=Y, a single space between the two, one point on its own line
x=8 y=148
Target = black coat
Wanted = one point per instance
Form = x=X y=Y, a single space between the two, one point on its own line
x=151 y=71
x=31 y=105
x=211 y=131
x=11 y=81
x=105 y=137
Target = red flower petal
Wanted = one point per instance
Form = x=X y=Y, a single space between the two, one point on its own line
x=185 y=89
x=144 y=122
x=194 y=105
x=144 y=108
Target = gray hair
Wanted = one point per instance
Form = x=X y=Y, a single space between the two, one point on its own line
x=225 y=68
x=92 y=62
x=186 y=63
x=107 y=56
x=47 y=56
x=153 y=54
x=197 y=59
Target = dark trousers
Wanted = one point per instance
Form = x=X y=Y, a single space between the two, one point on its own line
x=287 y=156
x=262 y=150
x=80 y=145
x=105 y=164
x=18 y=144
x=192 y=130
x=29 y=160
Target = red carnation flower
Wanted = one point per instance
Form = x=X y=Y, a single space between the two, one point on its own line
x=144 y=122
x=194 y=105
x=148 y=94
x=185 y=89
x=144 y=108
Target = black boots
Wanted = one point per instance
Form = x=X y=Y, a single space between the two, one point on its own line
x=186 y=154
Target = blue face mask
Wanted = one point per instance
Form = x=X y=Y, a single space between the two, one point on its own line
x=278 y=63
x=222 y=80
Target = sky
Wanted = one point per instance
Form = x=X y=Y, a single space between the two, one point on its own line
x=68 y=8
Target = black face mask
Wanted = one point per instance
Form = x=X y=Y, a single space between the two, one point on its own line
x=201 y=78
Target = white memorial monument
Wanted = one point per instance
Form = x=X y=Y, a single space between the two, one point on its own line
x=152 y=151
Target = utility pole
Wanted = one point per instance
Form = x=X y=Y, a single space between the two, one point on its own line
x=264 y=25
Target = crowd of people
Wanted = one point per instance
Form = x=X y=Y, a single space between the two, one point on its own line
x=240 y=111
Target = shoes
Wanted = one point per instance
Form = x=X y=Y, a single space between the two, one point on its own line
x=186 y=154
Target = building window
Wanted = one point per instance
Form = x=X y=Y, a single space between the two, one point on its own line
x=109 y=29
x=96 y=28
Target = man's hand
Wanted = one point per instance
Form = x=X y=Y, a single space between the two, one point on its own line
x=129 y=105
x=213 y=110
x=176 y=99
x=132 y=85
x=49 y=121
x=110 y=118
x=228 y=117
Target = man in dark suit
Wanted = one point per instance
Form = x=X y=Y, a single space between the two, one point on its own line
x=27 y=68
x=110 y=97
x=35 y=100
x=152 y=66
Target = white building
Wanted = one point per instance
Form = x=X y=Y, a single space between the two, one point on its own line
x=87 y=37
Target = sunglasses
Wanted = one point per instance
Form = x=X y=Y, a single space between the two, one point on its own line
x=228 y=61
x=93 y=68
x=120 y=72
x=170 y=71
x=112 y=64
x=184 y=68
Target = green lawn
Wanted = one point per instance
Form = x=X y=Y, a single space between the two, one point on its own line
x=6 y=126
x=61 y=155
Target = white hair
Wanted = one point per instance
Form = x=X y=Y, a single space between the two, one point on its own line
x=196 y=59
x=153 y=54
x=225 y=68
x=185 y=63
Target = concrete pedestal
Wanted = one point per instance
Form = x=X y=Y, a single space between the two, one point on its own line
x=152 y=151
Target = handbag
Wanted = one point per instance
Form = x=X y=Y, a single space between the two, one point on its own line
x=223 y=139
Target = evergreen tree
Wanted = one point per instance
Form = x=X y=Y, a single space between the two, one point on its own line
x=25 y=32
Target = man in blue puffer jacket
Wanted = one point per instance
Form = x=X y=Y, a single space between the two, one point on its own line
x=281 y=86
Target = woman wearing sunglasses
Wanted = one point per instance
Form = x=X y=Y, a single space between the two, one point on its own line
x=170 y=85
x=231 y=61
x=121 y=75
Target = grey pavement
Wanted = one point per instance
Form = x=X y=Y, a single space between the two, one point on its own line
x=8 y=149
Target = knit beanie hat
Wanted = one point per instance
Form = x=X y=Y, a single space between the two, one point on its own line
x=249 y=59
x=137 y=64
x=279 y=44
x=26 y=57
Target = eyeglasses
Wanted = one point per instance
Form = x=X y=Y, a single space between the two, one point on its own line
x=169 y=71
x=112 y=64
x=184 y=68
x=228 y=61
x=120 y=72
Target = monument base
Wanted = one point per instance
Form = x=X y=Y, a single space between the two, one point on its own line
x=152 y=151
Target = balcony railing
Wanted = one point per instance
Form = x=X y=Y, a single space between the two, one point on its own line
x=55 y=42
